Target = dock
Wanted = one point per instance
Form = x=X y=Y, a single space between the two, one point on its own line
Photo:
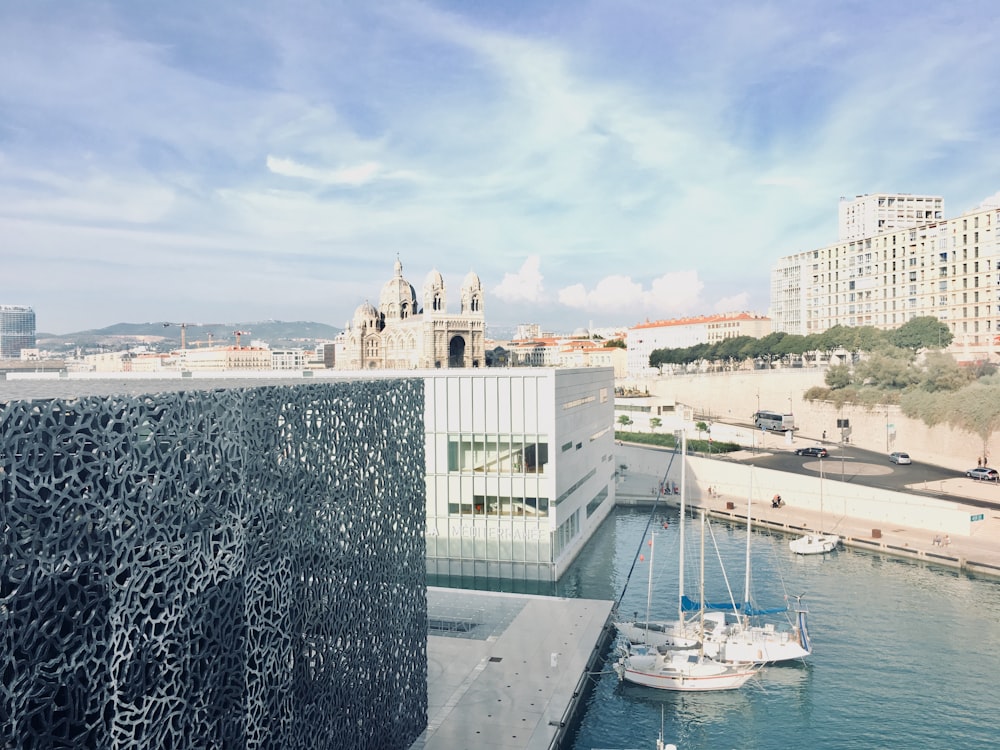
x=977 y=554
x=509 y=671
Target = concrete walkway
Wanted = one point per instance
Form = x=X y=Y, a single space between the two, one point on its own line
x=979 y=553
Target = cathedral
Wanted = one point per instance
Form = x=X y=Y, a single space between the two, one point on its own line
x=403 y=335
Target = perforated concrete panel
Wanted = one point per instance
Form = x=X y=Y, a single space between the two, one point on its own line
x=231 y=568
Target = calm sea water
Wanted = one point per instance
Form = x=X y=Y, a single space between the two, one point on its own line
x=905 y=655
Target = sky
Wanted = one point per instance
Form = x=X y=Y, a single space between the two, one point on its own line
x=596 y=163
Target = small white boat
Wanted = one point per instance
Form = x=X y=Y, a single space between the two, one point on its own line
x=682 y=670
x=814 y=544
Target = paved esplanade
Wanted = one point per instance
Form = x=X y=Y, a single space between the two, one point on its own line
x=504 y=671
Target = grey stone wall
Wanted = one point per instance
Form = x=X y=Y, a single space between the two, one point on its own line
x=230 y=568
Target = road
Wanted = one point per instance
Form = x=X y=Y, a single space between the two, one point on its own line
x=849 y=463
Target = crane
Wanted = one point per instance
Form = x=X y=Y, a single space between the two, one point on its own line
x=237 y=334
x=183 y=327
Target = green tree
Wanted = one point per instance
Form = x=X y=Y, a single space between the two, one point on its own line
x=885 y=371
x=924 y=332
x=942 y=373
x=625 y=420
x=655 y=423
x=977 y=409
x=838 y=376
x=616 y=343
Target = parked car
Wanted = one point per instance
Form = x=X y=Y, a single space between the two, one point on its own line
x=899 y=458
x=812 y=450
x=983 y=472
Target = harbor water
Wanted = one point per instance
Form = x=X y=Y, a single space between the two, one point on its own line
x=905 y=655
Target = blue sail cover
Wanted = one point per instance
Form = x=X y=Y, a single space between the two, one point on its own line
x=690 y=605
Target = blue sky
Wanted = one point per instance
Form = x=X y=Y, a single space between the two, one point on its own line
x=595 y=163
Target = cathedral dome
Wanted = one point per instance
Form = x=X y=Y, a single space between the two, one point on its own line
x=472 y=282
x=433 y=281
x=472 y=294
x=435 y=297
x=365 y=314
x=398 y=299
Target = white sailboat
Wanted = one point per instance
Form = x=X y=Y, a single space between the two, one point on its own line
x=680 y=667
x=816 y=543
x=726 y=632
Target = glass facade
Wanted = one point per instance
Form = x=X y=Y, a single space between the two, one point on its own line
x=17 y=330
x=495 y=503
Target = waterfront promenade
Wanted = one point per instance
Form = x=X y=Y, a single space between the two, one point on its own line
x=977 y=553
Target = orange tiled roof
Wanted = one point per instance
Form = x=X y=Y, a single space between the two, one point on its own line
x=701 y=319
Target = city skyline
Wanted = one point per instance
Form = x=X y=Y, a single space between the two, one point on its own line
x=593 y=163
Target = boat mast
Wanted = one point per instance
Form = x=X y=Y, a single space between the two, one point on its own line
x=701 y=590
x=680 y=566
x=820 y=494
x=746 y=577
x=649 y=590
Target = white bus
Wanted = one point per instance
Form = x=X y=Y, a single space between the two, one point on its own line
x=772 y=420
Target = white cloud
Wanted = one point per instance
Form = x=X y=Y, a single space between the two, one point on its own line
x=735 y=303
x=673 y=293
x=523 y=286
x=356 y=175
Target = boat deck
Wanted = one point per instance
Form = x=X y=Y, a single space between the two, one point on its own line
x=508 y=671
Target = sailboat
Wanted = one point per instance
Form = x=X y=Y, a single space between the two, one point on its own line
x=680 y=668
x=816 y=543
x=726 y=632
x=683 y=667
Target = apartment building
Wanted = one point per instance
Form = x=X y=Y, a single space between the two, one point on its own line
x=868 y=215
x=680 y=333
x=948 y=268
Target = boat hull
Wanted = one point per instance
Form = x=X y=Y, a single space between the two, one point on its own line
x=814 y=544
x=681 y=671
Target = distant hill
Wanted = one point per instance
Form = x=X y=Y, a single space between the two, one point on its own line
x=276 y=333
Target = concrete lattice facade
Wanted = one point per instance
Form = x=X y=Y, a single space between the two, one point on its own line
x=227 y=568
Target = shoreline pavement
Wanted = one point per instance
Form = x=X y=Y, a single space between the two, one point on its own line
x=977 y=554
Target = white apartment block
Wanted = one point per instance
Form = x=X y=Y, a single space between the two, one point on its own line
x=868 y=215
x=681 y=333
x=949 y=269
